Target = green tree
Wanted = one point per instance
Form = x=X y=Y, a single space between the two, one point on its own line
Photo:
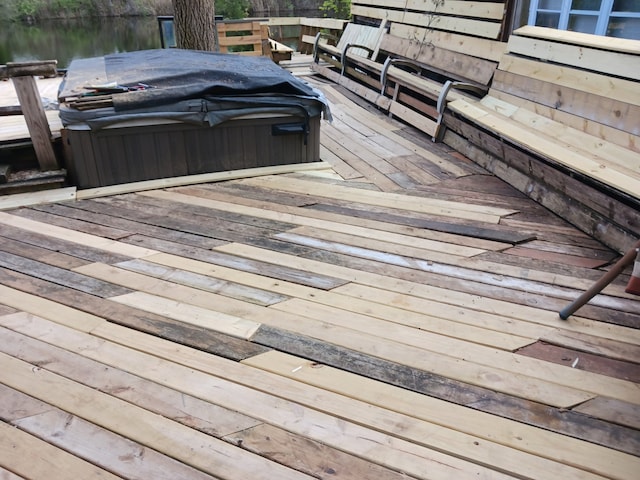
x=232 y=8
x=336 y=8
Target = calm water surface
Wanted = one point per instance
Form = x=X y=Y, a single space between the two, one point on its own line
x=64 y=40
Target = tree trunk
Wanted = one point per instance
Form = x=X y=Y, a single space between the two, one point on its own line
x=194 y=22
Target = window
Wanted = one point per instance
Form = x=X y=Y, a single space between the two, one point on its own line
x=614 y=18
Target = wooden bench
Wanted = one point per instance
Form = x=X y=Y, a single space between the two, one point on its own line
x=561 y=121
x=433 y=52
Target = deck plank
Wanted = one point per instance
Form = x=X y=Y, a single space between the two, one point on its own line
x=394 y=316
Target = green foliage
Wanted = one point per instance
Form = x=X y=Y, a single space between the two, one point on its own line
x=232 y=8
x=336 y=8
x=28 y=8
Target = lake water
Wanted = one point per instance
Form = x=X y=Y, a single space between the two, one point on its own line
x=64 y=40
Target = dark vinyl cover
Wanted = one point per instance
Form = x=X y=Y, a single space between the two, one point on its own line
x=187 y=85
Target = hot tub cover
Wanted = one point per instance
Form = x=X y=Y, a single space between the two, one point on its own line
x=186 y=85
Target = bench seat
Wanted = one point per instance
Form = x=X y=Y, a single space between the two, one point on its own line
x=563 y=114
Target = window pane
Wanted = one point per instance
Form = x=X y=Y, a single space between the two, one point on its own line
x=586 y=5
x=626 y=6
x=582 y=23
x=550 y=5
x=548 y=20
x=624 y=28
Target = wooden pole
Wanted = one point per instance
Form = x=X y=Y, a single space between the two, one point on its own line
x=605 y=280
x=21 y=75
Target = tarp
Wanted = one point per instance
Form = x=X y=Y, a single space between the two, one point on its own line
x=208 y=87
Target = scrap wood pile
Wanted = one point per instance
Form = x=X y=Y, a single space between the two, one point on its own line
x=101 y=96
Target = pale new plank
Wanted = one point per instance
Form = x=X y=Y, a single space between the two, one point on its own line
x=418 y=204
x=194 y=179
x=48 y=309
x=547 y=147
x=467 y=26
x=622 y=45
x=192 y=372
x=74 y=236
x=403 y=326
x=36 y=198
x=612 y=155
x=614 y=63
x=449 y=296
x=35 y=459
x=593 y=128
x=105 y=449
x=617 y=411
x=182 y=443
x=488 y=10
x=506 y=432
x=475 y=46
x=466 y=447
x=380 y=13
x=213 y=320
x=597 y=84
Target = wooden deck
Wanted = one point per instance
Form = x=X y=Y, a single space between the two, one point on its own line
x=393 y=317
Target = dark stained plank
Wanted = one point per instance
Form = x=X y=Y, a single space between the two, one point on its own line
x=77 y=250
x=72 y=223
x=60 y=276
x=583 y=361
x=102 y=213
x=558 y=420
x=40 y=254
x=522 y=251
x=172 y=215
x=5 y=310
x=185 y=334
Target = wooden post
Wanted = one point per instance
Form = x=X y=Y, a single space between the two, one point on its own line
x=22 y=77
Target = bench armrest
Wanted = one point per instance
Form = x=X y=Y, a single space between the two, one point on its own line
x=395 y=61
x=345 y=50
x=316 y=43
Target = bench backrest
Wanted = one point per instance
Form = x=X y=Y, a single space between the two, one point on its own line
x=590 y=83
x=365 y=35
x=458 y=39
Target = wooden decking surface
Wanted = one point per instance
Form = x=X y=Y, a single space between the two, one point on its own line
x=393 y=317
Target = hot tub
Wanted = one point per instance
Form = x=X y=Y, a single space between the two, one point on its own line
x=163 y=113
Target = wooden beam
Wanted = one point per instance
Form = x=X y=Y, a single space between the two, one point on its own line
x=36 y=119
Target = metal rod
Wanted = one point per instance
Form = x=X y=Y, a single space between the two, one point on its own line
x=605 y=280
